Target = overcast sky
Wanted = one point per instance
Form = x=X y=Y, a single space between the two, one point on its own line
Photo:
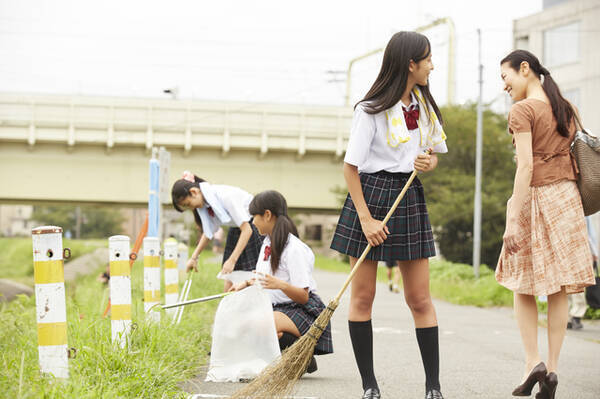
x=265 y=51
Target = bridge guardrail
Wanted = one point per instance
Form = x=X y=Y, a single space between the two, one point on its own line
x=174 y=123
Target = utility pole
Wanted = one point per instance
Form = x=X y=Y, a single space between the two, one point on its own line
x=478 y=161
x=78 y=222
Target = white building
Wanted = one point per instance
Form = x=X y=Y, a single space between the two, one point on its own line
x=15 y=220
x=565 y=36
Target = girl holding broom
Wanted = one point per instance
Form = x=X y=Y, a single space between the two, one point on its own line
x=285 y=268
x=213 y=206
x=545 y=250
x=396 y=122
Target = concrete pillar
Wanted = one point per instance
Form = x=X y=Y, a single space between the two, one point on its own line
x=151 y=276
x=120 y=289
x=51 y=311
x=171 y=274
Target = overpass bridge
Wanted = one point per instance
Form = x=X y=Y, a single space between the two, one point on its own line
x=96 y=149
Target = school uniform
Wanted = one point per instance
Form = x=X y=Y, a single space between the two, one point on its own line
x=228 y=206
x=295 y=267
x=384 y=146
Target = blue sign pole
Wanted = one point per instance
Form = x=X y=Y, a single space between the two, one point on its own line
x=153 y=200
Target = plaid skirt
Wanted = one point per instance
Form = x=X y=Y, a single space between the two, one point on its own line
x=249 y=257
x=553 y=240
x=410 y=235
x=304 y=316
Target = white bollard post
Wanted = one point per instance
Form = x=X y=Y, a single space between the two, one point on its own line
x=171 y=274
x=120 y=289
x=51 y=310
x=151 y=276
x=182 y=256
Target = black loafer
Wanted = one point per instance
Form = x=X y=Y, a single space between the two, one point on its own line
x=372 y=393
x=312 y=366
x=434 y=394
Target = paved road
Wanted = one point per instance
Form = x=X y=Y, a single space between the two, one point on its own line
x=481 y=355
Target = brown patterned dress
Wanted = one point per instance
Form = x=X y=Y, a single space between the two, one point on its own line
x=554 y=250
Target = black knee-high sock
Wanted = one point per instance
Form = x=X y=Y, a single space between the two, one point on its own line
x=430 y=354
x=287 y=340
x=361 y=334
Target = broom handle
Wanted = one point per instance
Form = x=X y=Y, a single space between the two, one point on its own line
x=384 y=222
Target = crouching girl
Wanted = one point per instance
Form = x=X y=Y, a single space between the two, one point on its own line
x=284 y=268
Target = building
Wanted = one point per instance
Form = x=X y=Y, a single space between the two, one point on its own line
x=565 y=37
x=15 y=220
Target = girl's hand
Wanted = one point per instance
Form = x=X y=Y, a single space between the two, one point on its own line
x=511 y=245
x=228 y=266
x=375 y=232
x=240 y=286
x=270 y=282
x=192 y=264
x=425 y=162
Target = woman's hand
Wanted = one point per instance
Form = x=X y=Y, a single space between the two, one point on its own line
x=192 y=264
x=511 y=245
x=426 y=162
x=270 y=282
x=375 y=232
x=228 y=266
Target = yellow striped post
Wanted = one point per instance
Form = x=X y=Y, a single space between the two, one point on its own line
x=182 y=256
x=171 y=274
x=51 y=311
x=120 y=289
x=151 y=276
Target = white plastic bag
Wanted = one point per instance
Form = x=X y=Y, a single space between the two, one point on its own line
x=236 y=276
x=244 y=336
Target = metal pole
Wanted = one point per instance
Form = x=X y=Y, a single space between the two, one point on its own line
x=478 y=160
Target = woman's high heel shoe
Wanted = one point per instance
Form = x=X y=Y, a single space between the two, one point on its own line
x=537 y=375
x=548 y=387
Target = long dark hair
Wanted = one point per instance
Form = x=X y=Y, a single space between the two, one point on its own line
x=390 y=84
x=275 y=202
x=181 y=189
x=561 y=109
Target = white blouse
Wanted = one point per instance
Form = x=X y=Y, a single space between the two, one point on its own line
x=368 y=147
x=295 y=267
x=235 y=201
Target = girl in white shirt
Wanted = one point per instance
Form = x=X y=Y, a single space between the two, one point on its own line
x=393 y=126
x=285 y=268
x=214 y=206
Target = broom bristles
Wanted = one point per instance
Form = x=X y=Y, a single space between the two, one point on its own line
x=279 y=378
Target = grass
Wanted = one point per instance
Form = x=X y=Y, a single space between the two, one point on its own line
x=158 y=359
x=451 y=282
x=16 y=256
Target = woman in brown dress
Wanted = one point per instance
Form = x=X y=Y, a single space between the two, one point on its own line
x=545 y=249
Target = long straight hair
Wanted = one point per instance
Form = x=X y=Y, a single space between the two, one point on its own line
x=391 y=82
x=181 y=190
x=561 y=109
x=275 y=202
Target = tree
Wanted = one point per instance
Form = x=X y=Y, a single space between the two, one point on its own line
x=450 y=189
x=96 y=221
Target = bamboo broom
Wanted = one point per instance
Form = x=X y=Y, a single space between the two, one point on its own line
x=278 y=379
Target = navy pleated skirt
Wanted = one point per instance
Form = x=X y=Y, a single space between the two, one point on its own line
x=410 y=235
